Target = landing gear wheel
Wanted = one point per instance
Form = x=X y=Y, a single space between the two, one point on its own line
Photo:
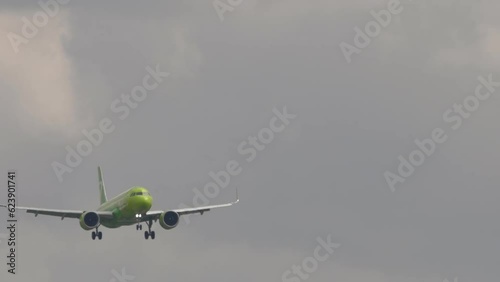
x=149 y=233
x=96 y=234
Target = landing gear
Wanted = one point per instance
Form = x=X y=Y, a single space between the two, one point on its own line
x=138 y=226
x=149 y=233
x=96 y=234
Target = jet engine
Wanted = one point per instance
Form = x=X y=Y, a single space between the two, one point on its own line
x=90 y=220
x=169 y=219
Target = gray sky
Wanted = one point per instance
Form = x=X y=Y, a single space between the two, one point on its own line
x=322 y=175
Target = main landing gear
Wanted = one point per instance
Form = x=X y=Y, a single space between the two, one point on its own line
x=149 y=233
x=97 y=234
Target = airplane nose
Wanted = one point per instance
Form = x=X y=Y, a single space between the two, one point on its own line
x=145 y=203
x=148 y=201
x=142 y=204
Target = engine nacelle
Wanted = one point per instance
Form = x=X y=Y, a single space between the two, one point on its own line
x=90 y=220
x=169 y=219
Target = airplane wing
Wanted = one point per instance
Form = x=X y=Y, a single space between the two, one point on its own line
x=154 y=215
x=61 y=213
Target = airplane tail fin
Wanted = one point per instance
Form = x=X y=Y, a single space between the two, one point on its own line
x=102 y=189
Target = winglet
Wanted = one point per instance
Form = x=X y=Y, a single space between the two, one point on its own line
x=237 y=197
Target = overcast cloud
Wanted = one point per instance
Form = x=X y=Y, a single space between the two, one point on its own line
x=323 y=175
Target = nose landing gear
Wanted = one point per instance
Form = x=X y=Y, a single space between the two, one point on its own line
x=138 y=217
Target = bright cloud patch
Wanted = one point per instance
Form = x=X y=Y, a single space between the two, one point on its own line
x=39 y=75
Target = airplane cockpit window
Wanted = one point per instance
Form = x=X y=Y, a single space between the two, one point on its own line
x=140 y=194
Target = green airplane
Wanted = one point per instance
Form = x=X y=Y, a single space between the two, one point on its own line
x=130 y=207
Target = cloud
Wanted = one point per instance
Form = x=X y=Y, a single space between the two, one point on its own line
x=39 y=76
x=186 y=58
x=482 y=53
x=289 y=10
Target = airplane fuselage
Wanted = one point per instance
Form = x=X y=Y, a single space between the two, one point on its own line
x=127 y=206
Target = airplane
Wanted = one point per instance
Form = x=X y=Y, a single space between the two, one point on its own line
x=128 y=208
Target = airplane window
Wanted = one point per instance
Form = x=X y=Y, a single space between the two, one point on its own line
x=139 y=193
x=133 y=194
